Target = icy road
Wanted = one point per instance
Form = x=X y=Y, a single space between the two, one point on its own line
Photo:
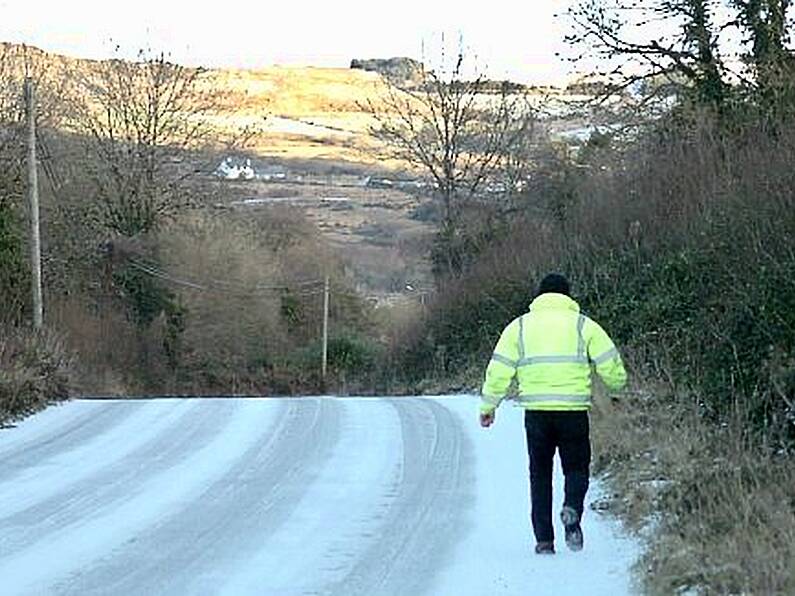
x=301 y=496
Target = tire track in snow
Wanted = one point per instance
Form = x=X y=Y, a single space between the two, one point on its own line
x=338 y=515
x=425 y=517
x=106 y=532
x=22 y=487
x=55 y=418
x=57 y=441
x=179 y=428
x=188 y=552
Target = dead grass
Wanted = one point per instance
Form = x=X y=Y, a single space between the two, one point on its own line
x=716 y=509
x=295 y=91
x=34 y=371
x=104 y=343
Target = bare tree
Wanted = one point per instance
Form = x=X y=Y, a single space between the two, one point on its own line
x=685 y=47
x=631 y=41
x=458 y=131
x=137 y=121
x=18 y=63
x=12 y=112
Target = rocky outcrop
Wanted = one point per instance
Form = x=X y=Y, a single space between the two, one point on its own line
x=397 y=70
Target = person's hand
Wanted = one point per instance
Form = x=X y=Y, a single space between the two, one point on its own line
x=486 y=419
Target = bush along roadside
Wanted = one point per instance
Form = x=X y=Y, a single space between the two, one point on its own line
x=34 y=372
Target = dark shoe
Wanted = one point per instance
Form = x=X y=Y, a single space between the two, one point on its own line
x=545 y=548
x=571 y=523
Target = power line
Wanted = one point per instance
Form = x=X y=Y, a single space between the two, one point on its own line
x=266 y=287
x=297 y=289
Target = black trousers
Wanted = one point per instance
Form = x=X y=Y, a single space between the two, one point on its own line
x=569 y=433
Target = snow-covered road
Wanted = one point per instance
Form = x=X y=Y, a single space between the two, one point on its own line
x=300 y=496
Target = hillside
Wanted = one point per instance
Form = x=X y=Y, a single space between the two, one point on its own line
x=301 y=111
x=297 y=111
x=311 y=149
x=312 y=112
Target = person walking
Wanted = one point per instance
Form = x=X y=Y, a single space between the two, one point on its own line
x=551 y=350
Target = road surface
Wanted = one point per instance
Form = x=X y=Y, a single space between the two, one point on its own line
x=300 y=496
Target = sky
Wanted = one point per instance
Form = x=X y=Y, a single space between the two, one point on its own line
x=508 y=39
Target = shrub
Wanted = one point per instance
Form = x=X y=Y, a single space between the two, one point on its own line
x=34 y=371
x=351 y=359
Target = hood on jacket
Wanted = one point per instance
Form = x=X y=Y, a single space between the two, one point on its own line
x=553 y=300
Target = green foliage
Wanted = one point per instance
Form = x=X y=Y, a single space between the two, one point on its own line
x=145 y=297
x=173 y=341
x=14 y=274
x=688 y=61
x=146 y=300
x=347 y=355
x=292 y=311
x=709 y=328
x=350 y=354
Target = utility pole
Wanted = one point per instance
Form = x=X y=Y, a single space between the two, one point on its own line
x=324 y=364
x=33 y=197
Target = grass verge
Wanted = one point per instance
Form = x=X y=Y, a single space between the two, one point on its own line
x=715 y=507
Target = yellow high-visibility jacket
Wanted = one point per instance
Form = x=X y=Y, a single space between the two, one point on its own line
x=550 y=350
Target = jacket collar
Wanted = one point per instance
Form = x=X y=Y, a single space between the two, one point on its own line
x=552 y=301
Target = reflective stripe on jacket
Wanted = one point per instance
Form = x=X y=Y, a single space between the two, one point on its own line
x=550 y=350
